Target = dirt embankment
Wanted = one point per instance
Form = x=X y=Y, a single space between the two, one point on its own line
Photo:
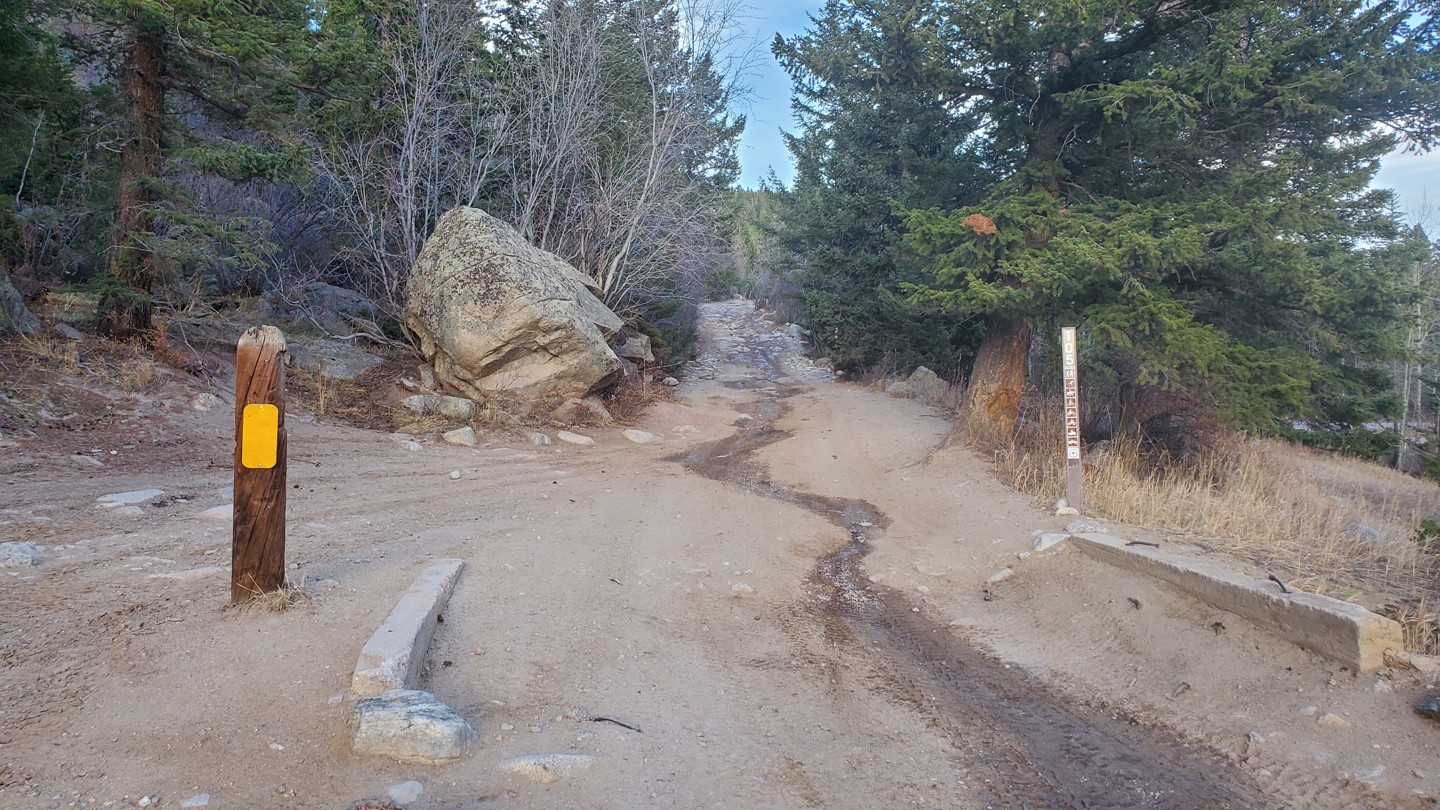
x=719 y=590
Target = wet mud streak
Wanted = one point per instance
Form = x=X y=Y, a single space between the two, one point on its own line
x=1026 y=745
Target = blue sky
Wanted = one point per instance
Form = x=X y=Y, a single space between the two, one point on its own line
x=1415 y=178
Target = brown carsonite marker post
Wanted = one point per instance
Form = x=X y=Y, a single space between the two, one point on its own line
x=1074 y=472
x=257 y=557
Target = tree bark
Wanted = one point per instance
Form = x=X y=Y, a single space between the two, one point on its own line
x=998 y=379
x=142 y=162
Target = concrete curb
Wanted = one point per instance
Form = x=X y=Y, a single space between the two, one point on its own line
x=392 y=658
x=1340 y=630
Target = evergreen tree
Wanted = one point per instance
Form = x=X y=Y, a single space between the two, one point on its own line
x=876 y=128
x=1188 y=180
x=199 y=83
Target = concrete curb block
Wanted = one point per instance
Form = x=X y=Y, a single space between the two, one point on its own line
x=392 y=658
x=1340 y=630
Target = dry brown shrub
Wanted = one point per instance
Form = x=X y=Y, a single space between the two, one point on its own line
x=980 y=224
x=1280 y=508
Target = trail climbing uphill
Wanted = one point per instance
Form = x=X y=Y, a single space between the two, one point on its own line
x=785 y=597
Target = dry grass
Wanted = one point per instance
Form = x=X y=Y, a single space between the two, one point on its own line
x=290 y=595
x=126 y=366
x=1284 y=509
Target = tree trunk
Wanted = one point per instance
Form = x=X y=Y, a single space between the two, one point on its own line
x=998 y=379
x=142 y=162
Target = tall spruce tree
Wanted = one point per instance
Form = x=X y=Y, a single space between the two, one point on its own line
x=1188 y=179
x=877 y=127
x=197 y=80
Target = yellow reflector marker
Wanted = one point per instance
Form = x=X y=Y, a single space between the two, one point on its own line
x=259 y=436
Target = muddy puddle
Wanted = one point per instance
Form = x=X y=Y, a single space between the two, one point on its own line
x=1016 y=739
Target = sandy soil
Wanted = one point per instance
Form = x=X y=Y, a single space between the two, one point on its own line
x=634 y=582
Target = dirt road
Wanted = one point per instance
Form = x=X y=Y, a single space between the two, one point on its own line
x=785 y=597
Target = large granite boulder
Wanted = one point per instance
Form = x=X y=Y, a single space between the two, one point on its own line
x=498 y=316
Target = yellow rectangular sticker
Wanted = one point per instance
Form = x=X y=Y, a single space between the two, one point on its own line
x=259 y=436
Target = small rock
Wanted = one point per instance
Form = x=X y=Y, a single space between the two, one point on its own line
x=1001 y=575
x=640 y=436
x=68 y=332
x=406 y=792
x=1429 y=706
x=454 y=475
x=410 y=726
x=225 y=511
x=19 y=555
x=1381 y=686
x=204 y=402
x=1083 y=527
x=412 y=446
x=1333 y=721
x=1067 y=511
x=1045 y=542
x=1309 y=711
x=1371 y=774
x=742 y=587
x=539 y=439
x=1022 y=555
x=507 y=726
x=901 y=390
x=1418 y=774
x=427 y=375
x=1255 y=738
x=129 y=511
x=464 y=436
x=574 y=438
x=146 y=801
x=276 y=747
x=198 y=800
x=127 y=498
x=457 y=408
x=548 y=768
x=671 y=382
x=87 y=461
x=1359 y=531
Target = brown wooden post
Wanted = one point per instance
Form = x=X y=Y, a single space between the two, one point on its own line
x=257 y=556
x=1070 y=369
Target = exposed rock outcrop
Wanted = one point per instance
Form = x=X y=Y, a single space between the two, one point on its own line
x=14 y=316
x=496 y=315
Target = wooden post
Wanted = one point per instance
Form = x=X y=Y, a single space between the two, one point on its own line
x=257 y=556
x=1074 y=472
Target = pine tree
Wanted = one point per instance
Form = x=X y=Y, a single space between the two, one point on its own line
x=1188 y=180
x=876 y=128
x=199 y=82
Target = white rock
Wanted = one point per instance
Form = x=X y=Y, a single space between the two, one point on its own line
x=1001 y=575
x=464 y=436
x=454 y=475
x=129 y=511
x=1067 y=511
x=1371 y=774
x=406 y=792
x=640 y=436
x=204 y=402
x=742 y=587
x=539 y=439
x=548 y=768
x=412 y=446
x=276 y=747
x=671 y=381
x=19 y=555
x=1333 y=721
x=225 y=511
x=198 y=800
x=574 y=438
x=87 y=461
x=410 y=726
x=1309 y=711
x=146 y=801
x=1045 y=542
x=126 y=498
x=1083 y=526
